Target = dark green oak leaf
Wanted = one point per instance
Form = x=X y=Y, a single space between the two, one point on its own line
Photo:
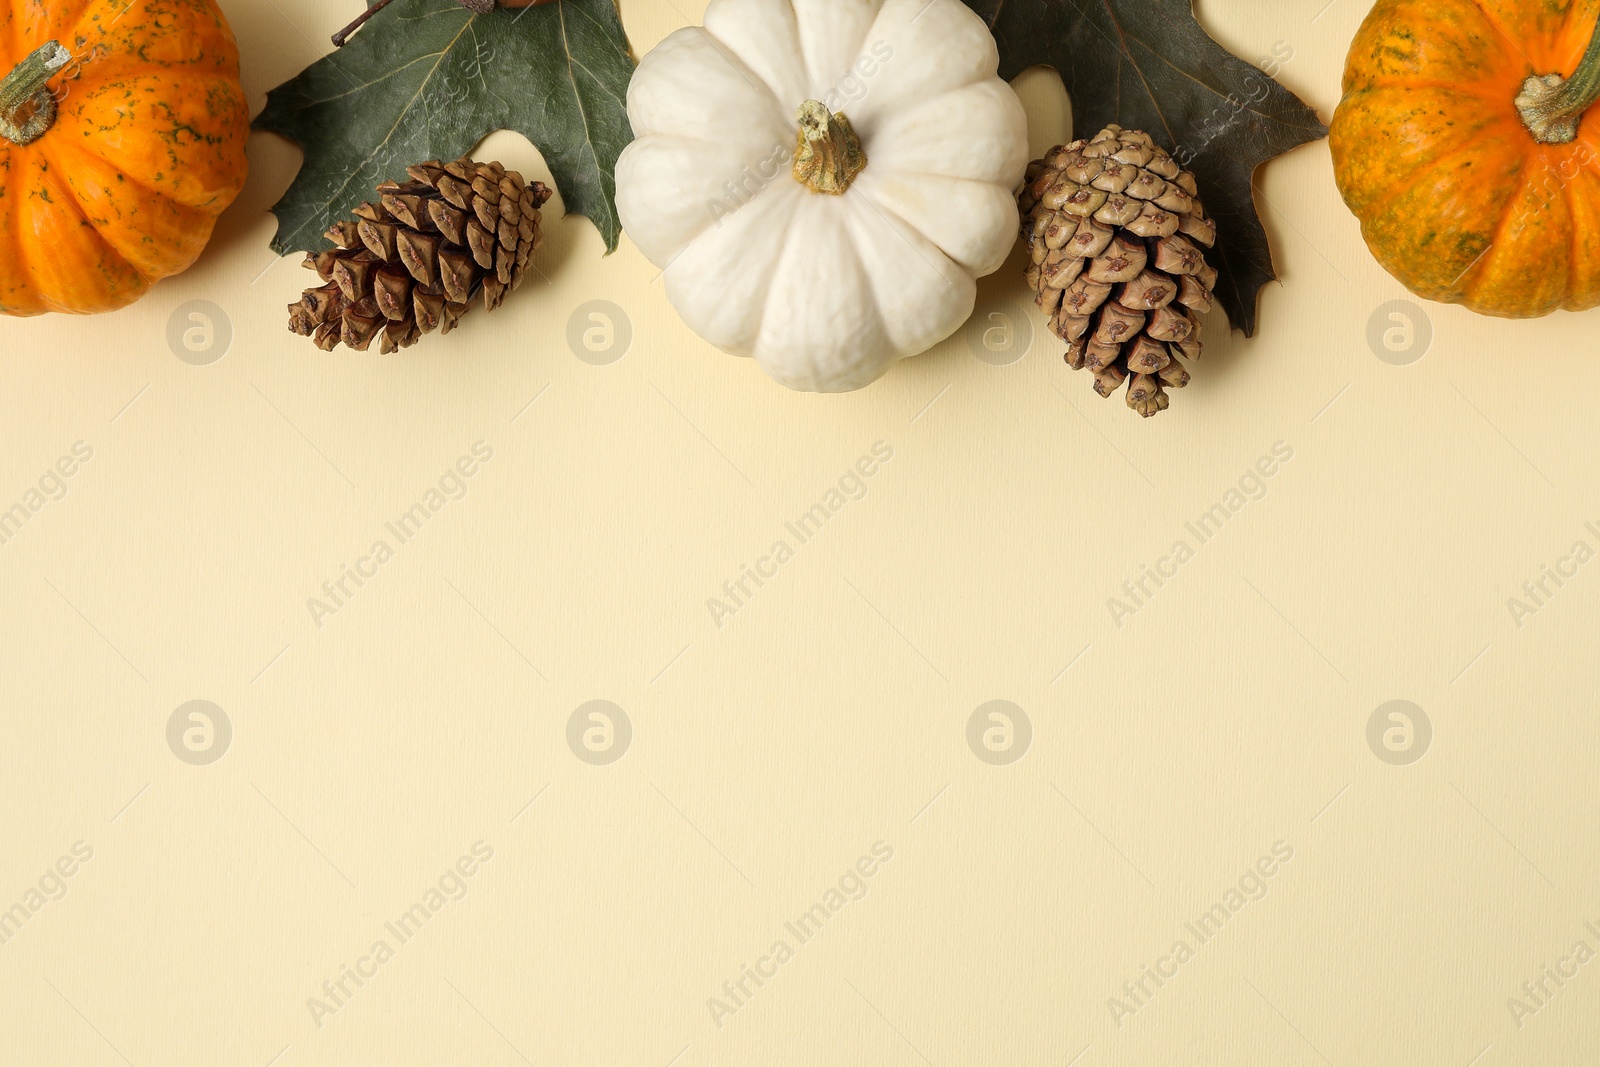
x=428 y=79
x=1147 y=65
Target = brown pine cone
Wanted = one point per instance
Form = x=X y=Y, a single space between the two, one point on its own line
x=413 y=261
x=1115 y=235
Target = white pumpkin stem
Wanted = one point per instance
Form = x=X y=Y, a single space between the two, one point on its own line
x=27 y=108
x=1552 y=107
x=829 y=155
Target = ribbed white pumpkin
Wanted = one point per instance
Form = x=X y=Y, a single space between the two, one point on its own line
x=825 y=291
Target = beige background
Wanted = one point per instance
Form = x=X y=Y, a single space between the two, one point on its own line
x=1168 y=753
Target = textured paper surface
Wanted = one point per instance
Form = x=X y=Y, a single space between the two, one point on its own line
x=1206 y=746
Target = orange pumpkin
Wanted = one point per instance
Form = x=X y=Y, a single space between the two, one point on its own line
x=122 y=134
x=1466 y=146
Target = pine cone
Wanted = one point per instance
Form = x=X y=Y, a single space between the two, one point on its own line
x=412 y=262
x=1115 y=234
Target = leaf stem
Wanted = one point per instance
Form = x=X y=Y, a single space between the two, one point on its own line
x=343 y=35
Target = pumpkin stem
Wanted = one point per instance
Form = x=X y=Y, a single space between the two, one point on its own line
x=829 y=155
x=1552 y=107
x=27 y=108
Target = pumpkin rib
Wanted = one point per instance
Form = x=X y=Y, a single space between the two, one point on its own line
x=1378 y=207
x=207 y=174
x=661 y=180
x=903 y=226
x=771 y=43
x=125 y=27
x=1589 y=137
x=1570 y=41
x=65 y=196
x=769 y=283
x=109 y=254
x=1398 y=82
x=1574 y=251
x=105 y=69
x=891 y=26
x=899 y=173
x=666 y=102
x=12 y=157
x=969 y=132
x=808 y=45
x=1406 y=139
x=62 y=17
x=1578 y=28
x=751 y=75
x=1587 y=298
x=760 y=232
x=195 y=219
x=947 y=291
x=1464 y=35
x=132 y=179
x=1505 y=37
x=820 y=364
x=1570 y=192
x=1476 y=267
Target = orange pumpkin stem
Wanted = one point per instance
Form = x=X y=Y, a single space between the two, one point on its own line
x=27 y=108
x=1552 y=107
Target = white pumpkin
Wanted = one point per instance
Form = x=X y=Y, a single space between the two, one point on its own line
x=822 y=181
